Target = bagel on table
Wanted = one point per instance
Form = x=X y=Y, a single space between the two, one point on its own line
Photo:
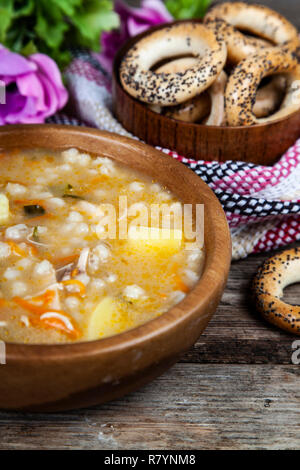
x=170 y=89
x=273 y=276
x=243 y=83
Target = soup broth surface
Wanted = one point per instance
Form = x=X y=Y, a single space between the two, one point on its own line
x=61 y=278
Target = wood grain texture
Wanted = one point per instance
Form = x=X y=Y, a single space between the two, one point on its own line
x=237 y=389
x=244 y=402
x=190 y=407
x=237 y=333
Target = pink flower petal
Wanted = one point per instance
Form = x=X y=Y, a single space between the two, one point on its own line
x=133 y=21
x=12 y=64
x=159 y=7
x=135 y=27
x=30 y=85
x=20 y=109
x=49 y=69
x=38 y=92
x=51 y=97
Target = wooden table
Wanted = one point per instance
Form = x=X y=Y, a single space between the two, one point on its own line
x=236 y=389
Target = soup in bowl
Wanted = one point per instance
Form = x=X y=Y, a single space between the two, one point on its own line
x=88 y=247
x=99 y=294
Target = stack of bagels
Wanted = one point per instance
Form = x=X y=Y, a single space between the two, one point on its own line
x=240 y=67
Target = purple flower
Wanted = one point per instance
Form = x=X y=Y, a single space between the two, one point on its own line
x=133 y=21
x=33 y=88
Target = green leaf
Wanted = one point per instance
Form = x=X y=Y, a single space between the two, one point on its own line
x=50 y=28
x=29 y=49
x=68 y=7
x=184 y=9
x=23 y=10
x=6 y=16
x=53 y=26
x=15 y=38
x=62 y=58
x=96 y=16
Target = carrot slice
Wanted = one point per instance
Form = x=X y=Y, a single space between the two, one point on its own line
x=37 y=309
x=180 y=285
x=75 y=282
x=29 y=202
x=52 y=322
x=37 y=305
x=33 y=250
x=16 y=249
x=44 y=298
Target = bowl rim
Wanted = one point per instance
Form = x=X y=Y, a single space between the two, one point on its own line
x=198 y=296
x=192 y=125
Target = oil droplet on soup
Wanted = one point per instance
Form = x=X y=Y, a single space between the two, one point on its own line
x=62 y=279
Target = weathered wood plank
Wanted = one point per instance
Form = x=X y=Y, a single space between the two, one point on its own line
x=237 y=334
x=190 y=407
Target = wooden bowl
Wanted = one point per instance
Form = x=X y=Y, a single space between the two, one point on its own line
x=60 y=377
x=262 y=144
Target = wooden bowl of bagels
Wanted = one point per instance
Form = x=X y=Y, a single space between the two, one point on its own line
x=223 y=88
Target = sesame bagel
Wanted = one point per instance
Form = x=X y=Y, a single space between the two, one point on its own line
x=255 y=19
x=177 y=65
x=170 y=89
x=242 y=86
x=269 y=97
x=239 y=45
x=217 y=96
x=272 y=277
x=193 y=110
x=209 y=104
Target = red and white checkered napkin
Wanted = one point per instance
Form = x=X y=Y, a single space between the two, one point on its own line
x=262 y=204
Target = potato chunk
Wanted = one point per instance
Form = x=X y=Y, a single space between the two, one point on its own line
x=155 y=240
x=108 y=318
x=4 y=209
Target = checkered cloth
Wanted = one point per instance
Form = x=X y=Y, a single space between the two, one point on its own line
x=262 y=204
